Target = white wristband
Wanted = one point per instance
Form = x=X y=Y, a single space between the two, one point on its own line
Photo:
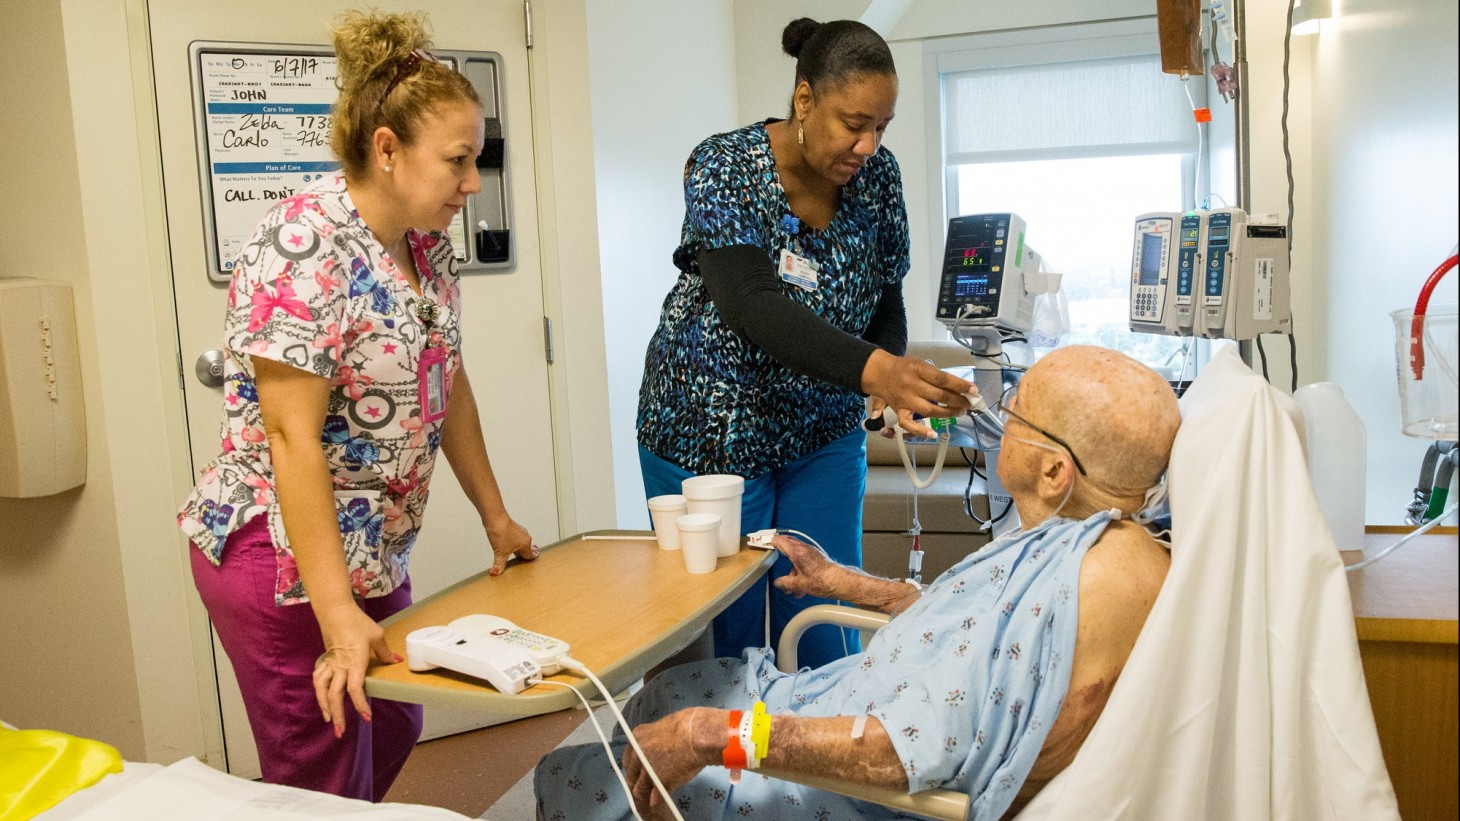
x=747 y=742
x=916 y=585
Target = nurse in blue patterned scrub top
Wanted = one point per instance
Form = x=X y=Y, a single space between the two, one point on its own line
x=787 y=311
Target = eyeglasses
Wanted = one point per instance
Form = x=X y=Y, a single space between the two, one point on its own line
x=1004 y=414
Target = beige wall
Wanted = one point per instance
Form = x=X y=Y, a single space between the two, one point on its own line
x=653 y=99
x=59 y=555
x=567 y=186
x=1384 y=169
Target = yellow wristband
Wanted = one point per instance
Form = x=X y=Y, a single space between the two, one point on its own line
x=760 y=731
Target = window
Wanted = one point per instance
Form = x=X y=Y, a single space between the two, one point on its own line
x=1079 y=138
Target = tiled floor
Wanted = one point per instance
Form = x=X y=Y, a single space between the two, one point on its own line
x=468 y=772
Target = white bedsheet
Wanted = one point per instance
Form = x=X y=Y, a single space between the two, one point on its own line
x=1244 y=696
x=190 y=790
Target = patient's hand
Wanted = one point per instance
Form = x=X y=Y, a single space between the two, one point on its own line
x=678 y=747
x=812 y=571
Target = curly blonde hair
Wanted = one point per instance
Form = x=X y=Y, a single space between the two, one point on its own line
x=371 y=48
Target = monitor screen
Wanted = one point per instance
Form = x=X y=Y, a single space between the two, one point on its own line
x=1153 y=246
x=971 y=285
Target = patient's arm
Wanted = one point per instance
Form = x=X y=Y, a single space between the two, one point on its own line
x=1119 y=580
x=685 y=742
x=815 y=574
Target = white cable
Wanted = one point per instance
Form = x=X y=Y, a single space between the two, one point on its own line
x=912 y=472
x=1390 y=549
x=802 y=536
x=805 y=537
x=574 y=664
x=601 y=737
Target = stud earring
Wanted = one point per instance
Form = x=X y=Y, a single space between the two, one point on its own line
x=800 y=135
x=387 y=168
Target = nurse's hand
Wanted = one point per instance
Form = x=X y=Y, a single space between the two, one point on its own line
x=914 y=387
x=509 y=539
x=351 y=639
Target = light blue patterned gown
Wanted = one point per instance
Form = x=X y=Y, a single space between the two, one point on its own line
x=967 y=682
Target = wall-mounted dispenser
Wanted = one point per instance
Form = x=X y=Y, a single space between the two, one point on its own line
x=42 y=416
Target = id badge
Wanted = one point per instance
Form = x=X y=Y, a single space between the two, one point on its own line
x=797 y=270
x=433 y=383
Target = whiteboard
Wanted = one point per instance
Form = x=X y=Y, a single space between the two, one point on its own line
x=263 y=135
x=263 y=132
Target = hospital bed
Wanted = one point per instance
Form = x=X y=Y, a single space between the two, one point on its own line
x=189 y=790
x=1244 y=696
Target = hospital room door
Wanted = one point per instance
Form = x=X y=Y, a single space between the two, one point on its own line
x=502 y=310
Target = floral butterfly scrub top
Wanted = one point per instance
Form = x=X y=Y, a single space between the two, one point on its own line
x=315 y=290
x=714 y=402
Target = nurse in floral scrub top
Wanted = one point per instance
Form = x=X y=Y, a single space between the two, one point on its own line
x=343 y=380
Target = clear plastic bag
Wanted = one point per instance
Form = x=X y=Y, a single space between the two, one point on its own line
x=1051 y=311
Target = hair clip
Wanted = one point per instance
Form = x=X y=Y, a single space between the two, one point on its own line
x=409 y=65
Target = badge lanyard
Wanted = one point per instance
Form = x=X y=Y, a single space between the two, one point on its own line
x=432 y=370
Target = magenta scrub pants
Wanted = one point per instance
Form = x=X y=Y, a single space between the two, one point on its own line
x=273 y=650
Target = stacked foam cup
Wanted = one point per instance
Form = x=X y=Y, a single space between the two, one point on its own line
x=664 y=510
x=699 y=536
x=719 y=494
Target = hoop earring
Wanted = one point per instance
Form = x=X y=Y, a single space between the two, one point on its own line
x=800 y=135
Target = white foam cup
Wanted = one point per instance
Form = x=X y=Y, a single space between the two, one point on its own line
x=663 y=510
x=699 y=536
x=718 y=493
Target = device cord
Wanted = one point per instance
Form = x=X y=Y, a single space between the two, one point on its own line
x=578 y=666
x=598 y=728
x=1391 y=548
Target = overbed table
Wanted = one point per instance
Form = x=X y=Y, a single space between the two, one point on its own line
x=623 y=606
x=1407 y=608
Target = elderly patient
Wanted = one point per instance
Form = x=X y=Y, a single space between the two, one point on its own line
x=987 y=681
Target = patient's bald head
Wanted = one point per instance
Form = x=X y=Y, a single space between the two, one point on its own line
x=1118 y=415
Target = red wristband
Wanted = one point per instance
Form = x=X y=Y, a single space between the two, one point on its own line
x=734 y=756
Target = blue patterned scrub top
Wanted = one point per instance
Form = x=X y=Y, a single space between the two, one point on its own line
x=714 y=402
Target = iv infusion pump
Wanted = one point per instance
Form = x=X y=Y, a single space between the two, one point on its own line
x=1219 y=274
x=985 y=267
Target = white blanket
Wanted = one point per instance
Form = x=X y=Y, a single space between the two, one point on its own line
x=1244 y=696
x=190 y=790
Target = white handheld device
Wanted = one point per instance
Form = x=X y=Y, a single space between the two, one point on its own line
x=488 y=647
x=544 y=650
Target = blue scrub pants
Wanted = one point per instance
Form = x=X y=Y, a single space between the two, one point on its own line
x=820 y=495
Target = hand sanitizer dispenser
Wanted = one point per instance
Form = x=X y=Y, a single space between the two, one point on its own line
x=42 y=418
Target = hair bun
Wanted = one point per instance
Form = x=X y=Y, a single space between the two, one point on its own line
x=796 y=33
x=368 y=45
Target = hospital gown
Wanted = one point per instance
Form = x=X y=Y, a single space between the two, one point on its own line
x=967 y=682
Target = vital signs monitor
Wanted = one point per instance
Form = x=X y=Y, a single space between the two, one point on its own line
x=985 y=262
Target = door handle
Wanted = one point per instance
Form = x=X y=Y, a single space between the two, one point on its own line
x=209 y=368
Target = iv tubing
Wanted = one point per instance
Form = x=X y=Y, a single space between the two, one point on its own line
x=1416 y=325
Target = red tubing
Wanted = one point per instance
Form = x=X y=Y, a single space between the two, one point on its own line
x=1417 y=324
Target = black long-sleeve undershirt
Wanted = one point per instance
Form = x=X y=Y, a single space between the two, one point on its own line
x=741 y=281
